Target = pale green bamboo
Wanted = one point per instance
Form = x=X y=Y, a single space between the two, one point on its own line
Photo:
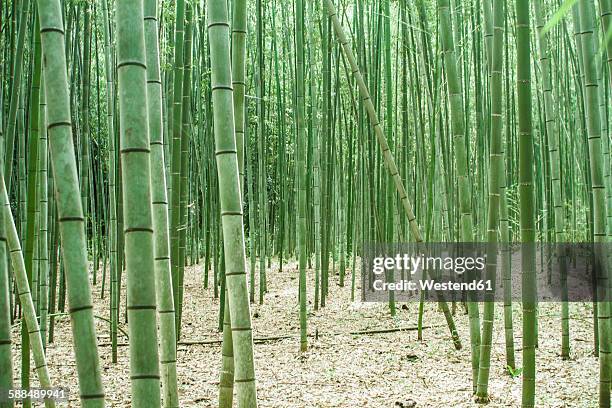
x=239 y=36
x=231 y=203
x=584 y=23
x=455 y=94
x=226 y=374
x=6 y=358
x=43 y=249
x=24 y=293
x=163 y=275
x=136 y=190
x=239 y=32
x=67 y=197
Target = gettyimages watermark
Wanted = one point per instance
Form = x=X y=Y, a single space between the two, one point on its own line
x=437 y=272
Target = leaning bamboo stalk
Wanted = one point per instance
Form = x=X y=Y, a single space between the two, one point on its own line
x=24 y=293
x=29 y=204
x=382 y=141
x=376 y=124
x=70 y=213
x=6 y=357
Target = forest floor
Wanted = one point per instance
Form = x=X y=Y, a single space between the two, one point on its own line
x=341 y=369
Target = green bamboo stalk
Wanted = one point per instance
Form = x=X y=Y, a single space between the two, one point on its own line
x=22 y=10
x=27 y=198
x=6 y=358
x=583 y=12
x=554 y=158
x=506 y=239
x=251 y=203
x=163 y=276
x=239 y=32
x=455 y=93
x=84 y=170
x=527 y=199
x=301 y=171
x=239 y=37
x=261 y=155
x=136 y=186
x=174 y=191
x=388 y=119
x=43 y=180
x=70 y=213
x=496 y=170
x=231 y=203
x=184 y=161
x=316 y=158
x=380 y=137
x=112 y=177
x=25 y=298
x=325 y=137
x=226 y=374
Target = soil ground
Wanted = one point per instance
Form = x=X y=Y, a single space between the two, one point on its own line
x=340 y=369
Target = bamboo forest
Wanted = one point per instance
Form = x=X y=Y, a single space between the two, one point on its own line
x=191 y=191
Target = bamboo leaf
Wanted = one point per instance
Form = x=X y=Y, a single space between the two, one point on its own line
x=559 y=14
x=514 y=372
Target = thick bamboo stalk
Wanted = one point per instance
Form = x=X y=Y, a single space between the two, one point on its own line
x=583 y=20
x=136 y=189
x=70 y=213
x=231 y=203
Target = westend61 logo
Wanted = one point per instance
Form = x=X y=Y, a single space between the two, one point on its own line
x=480 y=271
